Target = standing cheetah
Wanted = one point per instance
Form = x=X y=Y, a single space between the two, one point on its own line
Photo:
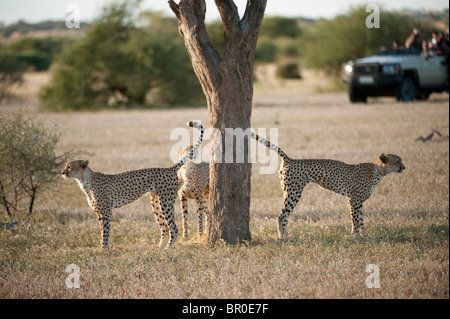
x=194 y=184
x=357 y=182
x=105 y=192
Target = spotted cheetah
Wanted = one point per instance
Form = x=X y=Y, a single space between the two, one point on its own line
x=194 y=184
x=357 y=182
x=105 y=192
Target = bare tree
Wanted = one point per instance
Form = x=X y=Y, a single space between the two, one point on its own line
x=227 y=83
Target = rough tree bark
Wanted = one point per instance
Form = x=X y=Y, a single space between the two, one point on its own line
x=227 y=83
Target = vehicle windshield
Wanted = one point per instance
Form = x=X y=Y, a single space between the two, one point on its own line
x=399 y=52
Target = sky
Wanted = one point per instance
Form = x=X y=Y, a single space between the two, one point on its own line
x=33 y=11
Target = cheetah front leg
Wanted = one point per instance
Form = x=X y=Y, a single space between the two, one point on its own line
x=201 y=213
x=105 y=226
x=156 y=205
x=357 y=216
x=205 y=196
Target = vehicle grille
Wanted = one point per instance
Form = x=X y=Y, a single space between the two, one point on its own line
x=366 y=69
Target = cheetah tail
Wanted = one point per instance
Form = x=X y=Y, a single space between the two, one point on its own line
x=273 y=147
x=194 y=150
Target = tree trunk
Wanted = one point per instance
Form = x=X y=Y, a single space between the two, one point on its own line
x=32 y=199
x=227 y=83
x=3 y=200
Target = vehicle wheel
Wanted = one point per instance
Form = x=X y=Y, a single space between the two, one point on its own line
x=406 y=91
x=356 y=96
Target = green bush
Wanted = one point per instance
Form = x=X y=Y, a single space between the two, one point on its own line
x=11 y=72
x=117 y=63
x=266 y=51
x=36 y=53
x=36 y=62
x=280 y=43
x=274 y=27
x=288 y=70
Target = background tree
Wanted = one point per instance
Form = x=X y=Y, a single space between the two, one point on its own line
x=227 y=83
x=329 y=43
x=274 y=27
x=118 y=63
x=281 y=43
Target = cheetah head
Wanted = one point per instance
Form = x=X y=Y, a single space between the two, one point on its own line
x=74 y=169
x=391 y=163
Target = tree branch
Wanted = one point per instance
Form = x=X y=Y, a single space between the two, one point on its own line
x=191 y=25
x=229 y=14
x=188 y=12
x=253 y=16
x=175 y=8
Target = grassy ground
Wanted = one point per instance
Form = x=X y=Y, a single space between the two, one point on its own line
x=407 y=217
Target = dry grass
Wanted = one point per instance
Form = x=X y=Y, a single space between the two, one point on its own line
x=407 y=217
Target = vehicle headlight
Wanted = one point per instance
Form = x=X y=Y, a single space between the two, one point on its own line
x=348 y=68
x=391 y=68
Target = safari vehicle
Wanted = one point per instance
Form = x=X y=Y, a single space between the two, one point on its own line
x=405 y=74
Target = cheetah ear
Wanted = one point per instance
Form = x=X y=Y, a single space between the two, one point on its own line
x=383 y=158
x=84 y=164
x=180 y=151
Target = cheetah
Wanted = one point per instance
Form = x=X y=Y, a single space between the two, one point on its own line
x=194 y=184
x=105 y=192
x=357 y=182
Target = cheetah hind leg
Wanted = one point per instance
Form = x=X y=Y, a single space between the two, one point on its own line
x=167 y=204
x=289 y=202
x=156 y=205
x=184 y=213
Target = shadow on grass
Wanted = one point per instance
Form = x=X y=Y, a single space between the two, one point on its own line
x=340 y=235
x=431 y=234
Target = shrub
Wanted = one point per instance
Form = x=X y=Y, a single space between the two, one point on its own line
x=288 y=70
x=36 y=62
x=28 y=163
x=11 y=72
x=266 y=51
